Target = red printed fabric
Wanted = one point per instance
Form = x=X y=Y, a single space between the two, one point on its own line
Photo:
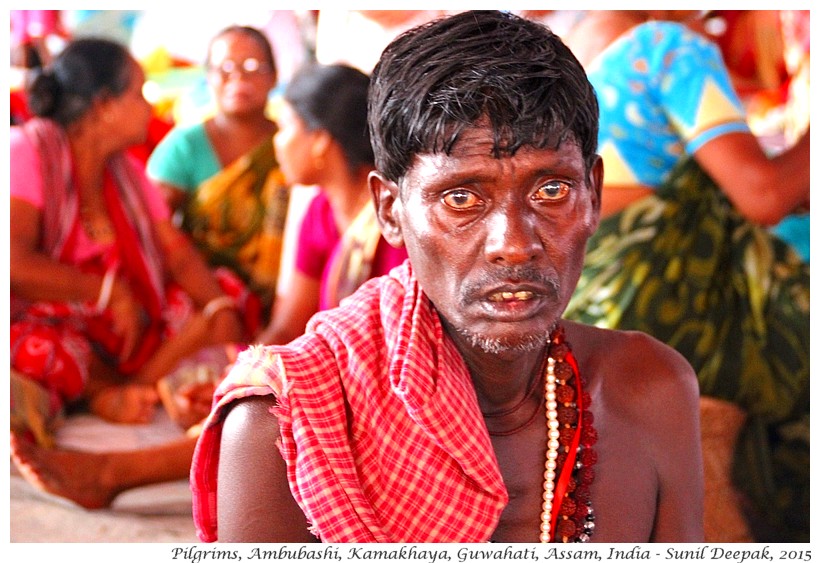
x=415 y=462
x=52 y=342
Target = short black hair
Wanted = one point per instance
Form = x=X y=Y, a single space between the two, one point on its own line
x=440 y=78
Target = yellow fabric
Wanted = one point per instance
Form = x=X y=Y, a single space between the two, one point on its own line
x=352 y=265
x=237 y=218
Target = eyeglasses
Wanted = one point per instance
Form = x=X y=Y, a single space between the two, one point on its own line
x=249 y=67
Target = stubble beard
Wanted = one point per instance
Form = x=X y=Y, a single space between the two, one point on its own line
x=497 y=346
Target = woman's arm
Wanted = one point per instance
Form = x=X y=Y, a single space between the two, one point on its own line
x=188 y=268
x=254 y=502
x=292 y=310
x=35 y=276
x=763 y=189
x=174 y=196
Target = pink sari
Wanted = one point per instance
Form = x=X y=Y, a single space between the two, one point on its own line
x=53 y=342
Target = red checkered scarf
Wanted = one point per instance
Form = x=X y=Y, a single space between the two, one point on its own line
x=415 y=462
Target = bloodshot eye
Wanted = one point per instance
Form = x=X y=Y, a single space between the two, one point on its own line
x=460 y=199
x=554 y=190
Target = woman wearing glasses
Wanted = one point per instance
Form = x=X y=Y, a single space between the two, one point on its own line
x=220 y=176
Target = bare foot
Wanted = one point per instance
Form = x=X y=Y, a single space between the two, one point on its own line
x=127 y=404
x=81 y=477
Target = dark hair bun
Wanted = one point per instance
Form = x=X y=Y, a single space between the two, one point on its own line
x=44 y=93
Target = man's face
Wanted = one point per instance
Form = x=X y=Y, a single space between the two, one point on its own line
x=496 y=244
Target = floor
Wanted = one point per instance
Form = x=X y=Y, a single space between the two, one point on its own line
x=36 y=517
x=152 y=514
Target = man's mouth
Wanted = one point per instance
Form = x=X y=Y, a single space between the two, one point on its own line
x=510 y=296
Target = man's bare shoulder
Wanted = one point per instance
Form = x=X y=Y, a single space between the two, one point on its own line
x=632 y=365
x=645 y=404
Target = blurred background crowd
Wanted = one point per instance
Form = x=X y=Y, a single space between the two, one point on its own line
x=208 y=142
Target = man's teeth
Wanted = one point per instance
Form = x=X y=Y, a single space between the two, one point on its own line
x=511 y=296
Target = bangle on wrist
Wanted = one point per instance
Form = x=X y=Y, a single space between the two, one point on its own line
x=217 y=304
x=106 y=288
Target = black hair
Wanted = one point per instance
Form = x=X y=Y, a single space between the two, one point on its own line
x=254 y=34
x=334 y=98
x=440 y=78
x=85 y=70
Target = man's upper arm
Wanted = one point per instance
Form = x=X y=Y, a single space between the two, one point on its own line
x=254 y=502
x=679 y=515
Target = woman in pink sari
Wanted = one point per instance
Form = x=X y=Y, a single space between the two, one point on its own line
x=324 y=140
x=106 y=295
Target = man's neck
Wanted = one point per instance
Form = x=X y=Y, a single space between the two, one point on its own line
x=501 y=379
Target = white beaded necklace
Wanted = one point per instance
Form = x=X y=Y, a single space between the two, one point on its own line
x=552 y=452
x=557 y=489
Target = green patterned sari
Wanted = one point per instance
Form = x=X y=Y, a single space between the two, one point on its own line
x=684 y=266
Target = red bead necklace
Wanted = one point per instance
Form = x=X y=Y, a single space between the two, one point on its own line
x=567 y=514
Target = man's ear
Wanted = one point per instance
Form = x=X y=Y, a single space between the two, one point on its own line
x=385 y=194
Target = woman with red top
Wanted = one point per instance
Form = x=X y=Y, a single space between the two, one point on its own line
x=106 y=295
x=340 y=245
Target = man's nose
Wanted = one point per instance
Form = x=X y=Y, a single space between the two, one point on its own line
x=512 y=237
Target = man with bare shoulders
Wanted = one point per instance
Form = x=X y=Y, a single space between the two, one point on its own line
x=448 y=401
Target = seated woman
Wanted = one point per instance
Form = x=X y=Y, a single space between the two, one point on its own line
x=220 y=176
x=106 y=295
x=683 y=252
x=340 y=246
x=323 y=140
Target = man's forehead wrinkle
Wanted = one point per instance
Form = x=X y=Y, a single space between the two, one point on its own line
x=481 y=139
x=481 y=150
x=473 y=147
